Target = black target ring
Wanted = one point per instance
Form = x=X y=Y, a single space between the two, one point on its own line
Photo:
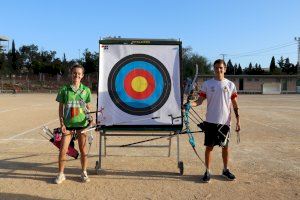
x=129 y=104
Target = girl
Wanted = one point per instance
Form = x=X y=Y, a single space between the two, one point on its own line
x=72 y=99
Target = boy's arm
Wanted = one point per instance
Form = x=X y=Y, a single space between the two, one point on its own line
x=198 y=102
x=236 y=112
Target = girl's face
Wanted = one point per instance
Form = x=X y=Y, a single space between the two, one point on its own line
x=77 y=75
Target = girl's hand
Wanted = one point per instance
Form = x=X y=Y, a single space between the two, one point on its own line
x=63 y=129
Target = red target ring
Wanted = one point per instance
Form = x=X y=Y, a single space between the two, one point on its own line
x=136 y=94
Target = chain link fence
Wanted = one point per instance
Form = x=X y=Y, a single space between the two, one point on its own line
x=41 y=83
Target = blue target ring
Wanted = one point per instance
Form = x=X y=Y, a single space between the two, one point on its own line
x=126 y=102
x=141 y=65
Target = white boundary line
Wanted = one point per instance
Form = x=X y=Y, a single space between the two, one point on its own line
x=267 y=125
x=21 y=107
x=7 y=110
x=25 y=140
x=30 y=130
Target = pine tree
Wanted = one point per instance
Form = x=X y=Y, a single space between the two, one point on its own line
x=235 y=69
x=272 y=65
x=230 y=69
x=13 y=56
x=239 y=70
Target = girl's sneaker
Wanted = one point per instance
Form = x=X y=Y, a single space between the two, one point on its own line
x=84 y=177
x=60 y=178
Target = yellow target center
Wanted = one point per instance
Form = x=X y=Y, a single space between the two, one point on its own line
x=139 y=84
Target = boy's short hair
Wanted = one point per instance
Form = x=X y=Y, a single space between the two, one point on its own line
x=220 y=61
x=77 y=65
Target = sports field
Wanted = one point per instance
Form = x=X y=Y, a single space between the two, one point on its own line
x=266 y=162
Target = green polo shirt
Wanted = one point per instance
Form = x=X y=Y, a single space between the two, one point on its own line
x=74 y=115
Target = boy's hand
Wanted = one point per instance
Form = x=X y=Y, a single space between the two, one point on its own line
x=237 y=127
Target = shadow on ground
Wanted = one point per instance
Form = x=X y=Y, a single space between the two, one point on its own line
x=12 y=169
x=9 y=196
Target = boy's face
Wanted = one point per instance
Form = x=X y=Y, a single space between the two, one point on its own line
x=219 y=69
x=77 y=74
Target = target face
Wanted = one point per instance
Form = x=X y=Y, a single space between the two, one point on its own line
x=139 y=84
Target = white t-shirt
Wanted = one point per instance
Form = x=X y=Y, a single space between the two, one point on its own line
x=219 y=95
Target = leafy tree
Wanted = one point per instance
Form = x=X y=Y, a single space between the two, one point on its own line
x=281 y=62
x=28 y=54
x=90 y=62
x=288 y=67
x=190 y=59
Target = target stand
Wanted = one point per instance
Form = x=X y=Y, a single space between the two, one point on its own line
x=139 y=91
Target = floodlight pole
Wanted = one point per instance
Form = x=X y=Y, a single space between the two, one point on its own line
x=223 y=55
x=298 y=40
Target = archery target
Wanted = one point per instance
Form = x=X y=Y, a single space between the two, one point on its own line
x=139 y=84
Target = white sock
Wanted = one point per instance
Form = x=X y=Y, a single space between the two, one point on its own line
x=207 y=170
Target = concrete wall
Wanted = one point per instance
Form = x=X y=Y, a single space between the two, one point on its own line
x=253 y=84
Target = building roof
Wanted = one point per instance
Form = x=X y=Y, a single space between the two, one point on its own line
x=3 y=38
x=255 y=76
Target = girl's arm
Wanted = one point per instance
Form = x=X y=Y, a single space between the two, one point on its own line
x=61 y=117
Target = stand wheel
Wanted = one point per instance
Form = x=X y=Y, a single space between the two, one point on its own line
x=181 y=168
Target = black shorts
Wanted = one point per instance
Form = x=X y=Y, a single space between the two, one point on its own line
x=215 y=134
x=74 y=136
x=75 y=128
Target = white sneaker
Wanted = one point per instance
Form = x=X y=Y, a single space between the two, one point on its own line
x=84 y=177
x=60 y=178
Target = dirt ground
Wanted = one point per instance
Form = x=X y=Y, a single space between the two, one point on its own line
x=266 y=162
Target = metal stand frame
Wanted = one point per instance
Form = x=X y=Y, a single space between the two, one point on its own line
x=103 y=137
x=103 y=146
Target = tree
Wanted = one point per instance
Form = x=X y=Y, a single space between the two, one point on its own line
x=90 y=62
x=281 y=62
x=272 y=65
x=190 y=59
x=64 y=64
x=235 y=69
x=257 y=70
x=288 y=67
x=297 y=67
x=230 y=68
x=28 y=54
x=249 y=70
x=239 y=70
x=14 y=56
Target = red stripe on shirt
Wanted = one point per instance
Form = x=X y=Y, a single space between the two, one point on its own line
x=234 y=95
x=202 y=94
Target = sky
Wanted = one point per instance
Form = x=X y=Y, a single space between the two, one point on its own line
x=245 y=30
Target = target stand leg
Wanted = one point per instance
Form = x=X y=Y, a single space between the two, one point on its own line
x=98 y=163
x=179 y=162
x=170 y=142
x=105 y=139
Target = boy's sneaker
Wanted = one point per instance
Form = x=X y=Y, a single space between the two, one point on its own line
x=227 y=174
x=84 y=177
x=60 y=178
x=206 y=177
